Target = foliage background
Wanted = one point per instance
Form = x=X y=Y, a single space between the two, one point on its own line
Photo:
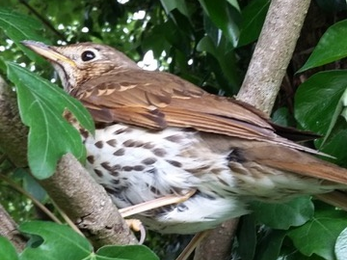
x=209 y=43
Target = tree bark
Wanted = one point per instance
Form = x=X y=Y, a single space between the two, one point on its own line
x=13 y=134
x=8 y=229
x=217 y=244
x=71 y=187
x=273 y=52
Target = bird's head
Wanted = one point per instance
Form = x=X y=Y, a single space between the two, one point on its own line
x=77 y=63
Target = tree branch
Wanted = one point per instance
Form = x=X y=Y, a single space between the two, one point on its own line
x=71 y=187
x=43 y=19
x=217 y=244
x=13 y=134
x=261 y=85
x=8 y=229
x=273 y=52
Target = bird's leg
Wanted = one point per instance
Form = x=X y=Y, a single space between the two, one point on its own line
x=156 y=203
x=136 y=224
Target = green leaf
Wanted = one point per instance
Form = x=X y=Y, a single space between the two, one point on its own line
x=341 y=245
x=129 y=252
x=235 y=4
x=226 y=60
x=313 y=110
x=285 y=215
x=30 y=184
x=170 y=5
x=253 y=17
x=55 y=242
x=283 y=117
x=19 y=27
x=318 y=236
x=331 y=47
x=41 y=106
x=7 y=250
x=336 y=146
x=220 y=13
x=247 y=237
x=270 y=245
x=319 y=108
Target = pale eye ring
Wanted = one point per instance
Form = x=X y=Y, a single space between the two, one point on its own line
x=87 y=55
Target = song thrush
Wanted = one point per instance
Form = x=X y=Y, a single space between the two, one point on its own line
x=160 y=135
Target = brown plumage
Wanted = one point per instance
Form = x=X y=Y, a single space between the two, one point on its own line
x=226 y=150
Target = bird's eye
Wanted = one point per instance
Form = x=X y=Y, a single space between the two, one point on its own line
x=87 y=55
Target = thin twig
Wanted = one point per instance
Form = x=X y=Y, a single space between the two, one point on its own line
x=27 y=194
x=42 y=19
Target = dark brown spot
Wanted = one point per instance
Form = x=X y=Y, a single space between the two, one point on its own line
x=174 y=138
x=182 y=208
x=139 y=144
x=112 y=142
x=114 y=173
x=116 y=182
x=223 y=182
x=149 y=161
x=148 y=145
x=106 y=166
x=160 y=152
x=113 y=170
x=129 y=143
x=98 y=172
x=199 y=170
x=230 y=191
x=110 y=191
x=91 y=159
x=120 y=131
x=84 y=133
x=152 y=171
x=119 y=152
x=236 y=155
x=154 y=190
x=139 y=168
x=127 y=168
x=217 y=171
x=175 y=163
x=99 y=144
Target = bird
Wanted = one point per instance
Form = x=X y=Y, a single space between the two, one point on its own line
x=160 y=136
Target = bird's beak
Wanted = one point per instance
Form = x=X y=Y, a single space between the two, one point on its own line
x=48 y=52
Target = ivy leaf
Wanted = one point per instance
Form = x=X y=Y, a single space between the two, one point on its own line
x=7 y=250
x=284 y=215
x=331 y=47
x=20 y=27
x=318 y=236
x=41 y=107
x=313 y=110
x=53 y=241
x=129 y=252
x=322 y=115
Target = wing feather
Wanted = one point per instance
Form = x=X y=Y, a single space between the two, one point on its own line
x=163 y=100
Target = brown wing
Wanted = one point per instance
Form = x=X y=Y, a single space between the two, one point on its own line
x=157 y=100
